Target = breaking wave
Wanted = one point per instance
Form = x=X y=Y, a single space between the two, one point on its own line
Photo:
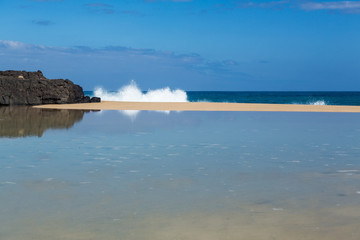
x=320 y=102
x=132 y=93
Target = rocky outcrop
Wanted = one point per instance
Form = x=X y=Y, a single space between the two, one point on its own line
x=32 y=88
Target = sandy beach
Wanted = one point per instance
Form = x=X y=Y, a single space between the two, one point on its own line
x=202 y=106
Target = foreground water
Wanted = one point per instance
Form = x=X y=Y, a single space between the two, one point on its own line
x=179 y=175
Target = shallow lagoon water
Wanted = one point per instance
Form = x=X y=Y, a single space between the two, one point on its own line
x=179 y=175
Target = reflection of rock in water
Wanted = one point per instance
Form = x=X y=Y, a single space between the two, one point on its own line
x=20 y=121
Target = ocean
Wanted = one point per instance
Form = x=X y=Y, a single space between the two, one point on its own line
x=132 y=93
x=71 y=174
x=308 y=98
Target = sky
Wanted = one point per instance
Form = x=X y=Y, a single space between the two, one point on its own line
x=228 y=45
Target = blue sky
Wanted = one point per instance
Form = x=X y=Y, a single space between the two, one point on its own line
x=188 y=44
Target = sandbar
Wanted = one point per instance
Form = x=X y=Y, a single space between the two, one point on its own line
x=202 y=106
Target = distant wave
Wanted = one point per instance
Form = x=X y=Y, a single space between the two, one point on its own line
x=132 y=93
x=318 y=102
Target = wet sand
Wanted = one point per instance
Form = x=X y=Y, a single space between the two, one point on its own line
x=202 y=106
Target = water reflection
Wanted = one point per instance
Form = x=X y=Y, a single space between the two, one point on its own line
x=133 y=114
x=24 y=121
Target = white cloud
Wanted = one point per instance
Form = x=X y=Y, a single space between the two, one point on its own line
x=338 y=5
x=11 y=44
x=264 y=4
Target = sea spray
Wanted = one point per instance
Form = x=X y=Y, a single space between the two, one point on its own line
x=132 y=93
x=319 y=102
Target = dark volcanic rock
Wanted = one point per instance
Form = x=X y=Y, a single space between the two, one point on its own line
x=95 y=99
x=32 y=88
x=87 y=99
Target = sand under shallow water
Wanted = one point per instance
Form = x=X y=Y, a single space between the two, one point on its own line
x=202 y=106
x=182 y=175
x=259 y=222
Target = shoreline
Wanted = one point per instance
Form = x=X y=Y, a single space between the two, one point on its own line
x=202 y=106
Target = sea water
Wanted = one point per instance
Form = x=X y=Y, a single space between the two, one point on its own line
x=132 y=92
x=178 y=175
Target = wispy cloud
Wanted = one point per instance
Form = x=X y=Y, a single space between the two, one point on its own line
x=42 y=22
x=11 y=44
x=19 y=46
x=337 y=5
x=100 y=8
x=191 y=61
x=109 y=9
x=129 y=63
x=340 y=6
x=264 y=4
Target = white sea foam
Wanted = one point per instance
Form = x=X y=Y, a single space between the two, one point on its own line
x=132 y=93
x=319 y=102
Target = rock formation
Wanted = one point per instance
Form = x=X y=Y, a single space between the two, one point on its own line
x=32 y=88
